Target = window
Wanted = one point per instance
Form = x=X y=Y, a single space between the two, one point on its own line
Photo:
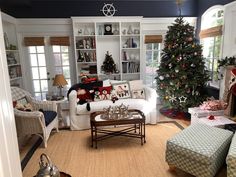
x=153 y=58
x=61 y=62
x=211 y=40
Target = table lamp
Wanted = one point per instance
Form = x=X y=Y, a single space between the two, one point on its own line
x=59 y=81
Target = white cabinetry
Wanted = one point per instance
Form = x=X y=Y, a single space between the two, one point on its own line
x=93 y=38
x=12 y=50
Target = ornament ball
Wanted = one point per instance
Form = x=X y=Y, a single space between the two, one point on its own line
x=161 y=77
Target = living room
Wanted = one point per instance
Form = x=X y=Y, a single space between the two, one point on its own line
x=51 y=48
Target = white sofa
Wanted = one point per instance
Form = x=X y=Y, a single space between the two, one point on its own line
x=80 y=117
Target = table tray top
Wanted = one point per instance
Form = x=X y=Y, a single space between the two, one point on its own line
x=136 y=116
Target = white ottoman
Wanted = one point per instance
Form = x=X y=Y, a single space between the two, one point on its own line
x=199 y=149
x=197 y=113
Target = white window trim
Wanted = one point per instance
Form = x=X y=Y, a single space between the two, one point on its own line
x=202 y=28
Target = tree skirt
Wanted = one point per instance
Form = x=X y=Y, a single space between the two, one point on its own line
x=174 y=113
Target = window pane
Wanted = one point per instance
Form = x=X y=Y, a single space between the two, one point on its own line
x=32 y=49
x=149 y=69
x=156 y=46
x=57 y=59
x=208 y=47
x=41 y=60
x=217 y=51
x=37 y=96
x=66 y=71
x=208 y=63
x=36 y=85
x=149 y=56
x=156 y=56
x=69 y=83
x=35 y=73
x=33 y=60
x=56 y=49
x=43 y=72
x=64 y=49
x=40 y=49
x=44 y=95
x=65 y=59
x=149 y=46
x=58 y=70
x=44 y=85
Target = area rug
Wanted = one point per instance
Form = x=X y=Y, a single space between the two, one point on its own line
x=70 y=151
x=175 y=114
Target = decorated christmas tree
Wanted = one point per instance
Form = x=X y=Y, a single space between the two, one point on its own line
x=181 y=75
x=109 y=65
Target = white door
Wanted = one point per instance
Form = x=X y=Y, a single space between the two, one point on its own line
x=9 y=152
x=45 y=62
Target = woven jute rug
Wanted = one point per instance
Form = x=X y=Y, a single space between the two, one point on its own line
x=70 y=151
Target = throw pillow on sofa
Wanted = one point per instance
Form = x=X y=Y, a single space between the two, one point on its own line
x=136 y=85
x=102 y=93
x=121 y=90
x=138 y=94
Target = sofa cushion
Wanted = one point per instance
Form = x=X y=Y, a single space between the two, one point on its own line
x=49 y=116
x=140 y=104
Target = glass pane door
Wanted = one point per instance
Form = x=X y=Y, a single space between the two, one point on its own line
x=38 y=71
x=45 y=62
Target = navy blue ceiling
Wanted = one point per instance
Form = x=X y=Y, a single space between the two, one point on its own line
x=68 y=8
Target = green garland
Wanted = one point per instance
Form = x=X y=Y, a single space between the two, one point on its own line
x=225 y=62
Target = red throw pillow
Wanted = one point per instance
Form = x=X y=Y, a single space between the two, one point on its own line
x=105 y=92
x=84 y=96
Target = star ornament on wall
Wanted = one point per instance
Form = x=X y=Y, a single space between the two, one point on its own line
x=182 y=99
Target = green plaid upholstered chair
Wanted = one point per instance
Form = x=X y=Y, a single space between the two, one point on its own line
x=231 y=159
x=41 y=120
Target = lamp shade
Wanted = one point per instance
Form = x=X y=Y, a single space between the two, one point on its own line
x=59 y=80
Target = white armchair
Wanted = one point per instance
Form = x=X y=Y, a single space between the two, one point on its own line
x=36 y=122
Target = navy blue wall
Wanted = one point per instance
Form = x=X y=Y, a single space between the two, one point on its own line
x=60 y=9
x=66 y=9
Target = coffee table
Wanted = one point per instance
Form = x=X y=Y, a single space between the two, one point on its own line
x=100 y=130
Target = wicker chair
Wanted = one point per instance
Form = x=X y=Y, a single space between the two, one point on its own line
x=33 y=123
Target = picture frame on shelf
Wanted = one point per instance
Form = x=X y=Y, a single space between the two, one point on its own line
x=11 y=60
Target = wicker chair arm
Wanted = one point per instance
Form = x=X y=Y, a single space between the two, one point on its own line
x=44 y=105
x=29 y=122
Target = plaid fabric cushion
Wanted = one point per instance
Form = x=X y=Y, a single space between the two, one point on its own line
x=231 y=158
x=199 y=149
